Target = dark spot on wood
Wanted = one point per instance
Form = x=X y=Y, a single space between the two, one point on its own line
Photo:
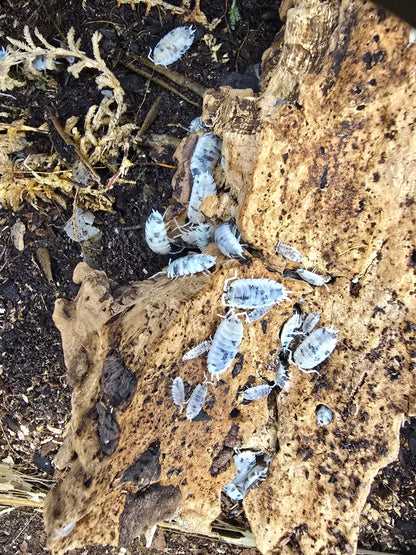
x=324 y=180
x=264 y=326
x=118 y=382
x=355 y=289
x=146 y=469
x=108 y=429
x=238 y=366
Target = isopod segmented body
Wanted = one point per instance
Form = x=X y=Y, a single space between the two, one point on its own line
x=315 y=348
x=281 y=378
x=255 y=293
x=197 y=125
x=198 y=350
x=155 y=233
x=196 y=400
x=312 y=278
x=203 y=186
x=225 y=345
x=258 y=313
x=206 y=154
x=178 y=392
x=227 y=241
x=190 y=264
x=290 y=329
x=257 y=392
x=172 y=46
x=289 y=252
x=200 y=235
x=310 y=322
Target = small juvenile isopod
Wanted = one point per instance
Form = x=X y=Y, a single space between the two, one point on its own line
x=290 y=329
x=281 y=378
x=315 y=348
x=196 y=400
x=289 y=252
x=324 y=415
x=206 y=154
x=257 y=392
x=178 y=392
x=227 y=241
x=310 y=322
x=198 y=350
x=200 y=235
x=155 y=233
x=258 y=313
x=312 y=278
x=172 y=46
x=254 y=293
x=203 y=186
x=190 y=264
x=225 y=345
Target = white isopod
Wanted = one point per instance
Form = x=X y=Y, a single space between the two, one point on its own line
x=225 y=345
x=289 y=252
x=254 y=293
x=281 y=378
x=324 y=415
x=198 y=350
x=178 y=392
x=196 y=400
x=315 y=349
x=200 y=235
x=312 y=278
x=244 y=461
x=155 y=233
x=310 y=322
x=233 y=492
x=190 y=264
x=257 y=392
x=290 y=329
x=227 y=241
x=197 y=125
x=206 y=154
x=203 y=186
x=258 y=313
x=172 y=46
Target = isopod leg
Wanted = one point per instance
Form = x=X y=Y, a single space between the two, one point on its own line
x=229 y=279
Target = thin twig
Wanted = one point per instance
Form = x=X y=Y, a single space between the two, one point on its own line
x=151 y=116
x=8 y=500
x=176 y=77
x=159 y=82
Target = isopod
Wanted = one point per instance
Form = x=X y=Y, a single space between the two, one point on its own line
x=312 y=278
x=200 y=235
x=258 y=313
x=178 y=392
x=244 y=460
x=206 y=154
x=227 y=241
x=310 y=322
x=289 y=252
x=324 y=415
x=190 y=264
x=155 y=233
x=225 y=345
x=315 y=348
x=290 y=329
x=281 y=378
x=197 y=125
x=257 y=392
x=198 y=350
x=233 y=492
x=172 y=46
x=203 y=186
x=196 y=400
x=255 y=293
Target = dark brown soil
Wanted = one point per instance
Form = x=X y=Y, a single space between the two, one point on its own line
x=35 y=397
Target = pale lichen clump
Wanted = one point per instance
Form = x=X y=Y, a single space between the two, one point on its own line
x=99 y=140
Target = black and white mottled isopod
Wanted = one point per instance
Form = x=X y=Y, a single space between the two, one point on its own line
x=198 y=350
x=155 y=233
x=290 y=329
x=197 y=125
x=200 y=235
x=315 y=348
x=310 y=322
x=196 y=400
x=254 y=293
x=203 y=186
x=289 y=252
x=227 y=241
x=190 y=264
x=281 y=378
x=312 y=278
x=178 y=392
x=206 y=154
x=257 y=392
x=258 y=313
x=172 y=46
x=225 y=345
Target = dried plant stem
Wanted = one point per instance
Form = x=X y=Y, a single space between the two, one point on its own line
x=176 y=77
x=151 y=116
x=159 y=82
x=16 y=501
